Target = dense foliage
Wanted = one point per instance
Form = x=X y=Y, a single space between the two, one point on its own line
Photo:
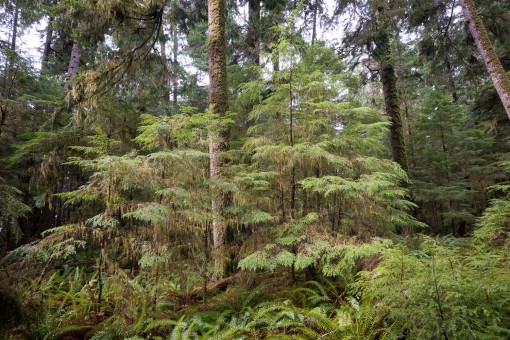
x=352 y=188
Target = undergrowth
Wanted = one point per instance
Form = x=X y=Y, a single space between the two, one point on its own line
x=423 y=288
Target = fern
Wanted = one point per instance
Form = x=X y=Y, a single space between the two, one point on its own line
x=159 y=324
x=429 y=291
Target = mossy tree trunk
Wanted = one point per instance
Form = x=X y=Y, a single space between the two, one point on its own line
x=392 y=103
x=218 y=135
x=490 y=58
x=384 y=55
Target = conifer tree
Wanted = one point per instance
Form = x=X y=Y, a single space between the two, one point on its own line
x=218 y=104
x=376 y=28
x=498 y=75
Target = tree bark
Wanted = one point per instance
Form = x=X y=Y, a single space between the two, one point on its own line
x=275 y=53
x=47 y=45
x=314 y=22
x=384 y=55
x=167 y=74
x=218 y=103
x=392 y=104
x=74 y=62
x=253 y=31
x=175 y=63
x=490 y=58
x=9 y=73
x=291 y=140
x=15 y=28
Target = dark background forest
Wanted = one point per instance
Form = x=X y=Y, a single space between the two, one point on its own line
x=183 y=169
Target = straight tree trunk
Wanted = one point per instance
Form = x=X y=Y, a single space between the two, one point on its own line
x=175 y=63
x=9 y=62
x=167 y=74
x=314 y=22
x=253 y=31
x=15 y=28
x=74 y=62
x=218 y=103
x=392 y=104
x=9 y=74
x=291 y=140
x=490 y=58
x=47 y=44
x=275 y=54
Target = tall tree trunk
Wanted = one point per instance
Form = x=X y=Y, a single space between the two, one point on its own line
x=392 y=103
x=275 y=53
x=175 y=63
x=9 y=62
x=167 y=72
x=74 y=62
x=15 y=28
x=384 y=55
x=291 y=140
x=490 y=58
x=9 y=73
x=218 y=103
x=314 y=22
x=253 y=31
x=47 y=45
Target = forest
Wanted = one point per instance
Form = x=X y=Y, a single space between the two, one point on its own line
x=254 y=169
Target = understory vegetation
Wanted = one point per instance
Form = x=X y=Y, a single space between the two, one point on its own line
x=310 y=188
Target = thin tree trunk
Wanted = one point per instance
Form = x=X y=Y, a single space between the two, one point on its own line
x=47 y=45
x=167 y=73
x=451 y=80
x=218 y=103
x=275 y=54
x=253 y=31
x=9 y=74
x=175 y=63
x=314 y=23
x=291 y=140
x=9 y=62
x=490 y=58
x=275 y=42
x=409 y=132
x=15 y=29
x=74 y=62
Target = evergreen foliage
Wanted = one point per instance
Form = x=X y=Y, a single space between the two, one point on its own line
x=116 y=224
